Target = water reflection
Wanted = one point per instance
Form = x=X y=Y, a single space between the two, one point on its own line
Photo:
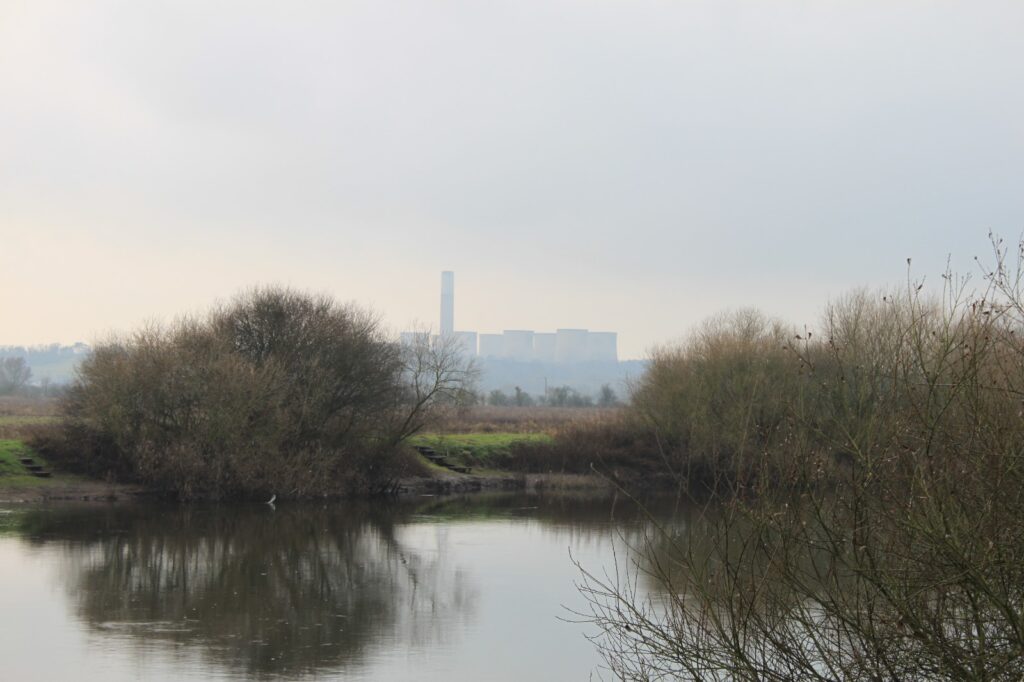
x=301 y=590
x=291 y=591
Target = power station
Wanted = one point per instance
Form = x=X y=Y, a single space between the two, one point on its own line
x=564 y=346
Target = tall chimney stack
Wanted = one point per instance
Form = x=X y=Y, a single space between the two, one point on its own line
x=447 y=303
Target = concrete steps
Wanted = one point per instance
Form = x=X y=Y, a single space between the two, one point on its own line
x=34 y=469
x=441 y=460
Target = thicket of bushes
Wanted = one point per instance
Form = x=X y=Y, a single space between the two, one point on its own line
x=277 y=392
x=869 y=521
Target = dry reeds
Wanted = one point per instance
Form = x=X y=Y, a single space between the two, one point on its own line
x=500 y=419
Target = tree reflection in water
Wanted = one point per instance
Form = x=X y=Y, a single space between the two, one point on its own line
x=306 y=589
x=294 y=591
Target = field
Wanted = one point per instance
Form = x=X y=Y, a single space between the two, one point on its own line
x=19 y=416
x=487 y=436
x=27 y=407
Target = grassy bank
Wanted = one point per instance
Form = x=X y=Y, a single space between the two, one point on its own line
x=487 y=450
x=21 y=419
x=13 y=473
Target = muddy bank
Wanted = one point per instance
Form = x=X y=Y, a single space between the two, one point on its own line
x=444 y=483
x=439 y=484
x=77 y=491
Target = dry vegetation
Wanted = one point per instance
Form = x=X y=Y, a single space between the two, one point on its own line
x=278 y=392
x=22 y=418
x=869 y=497
x=11 y=407
x=550 y=420
x=610 y=442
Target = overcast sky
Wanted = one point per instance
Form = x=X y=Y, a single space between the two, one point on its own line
x=630 y=166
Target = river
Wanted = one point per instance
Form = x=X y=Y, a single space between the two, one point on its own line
x=477 y=587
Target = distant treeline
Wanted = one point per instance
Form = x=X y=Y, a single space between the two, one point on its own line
x=51 y=352
x=50 y=364
x=538 y=378
x=557 y=396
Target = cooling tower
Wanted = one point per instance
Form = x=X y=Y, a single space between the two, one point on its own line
x=409 y=338
x=492 y=346
x=571 y=345
x=518 y=344
x=447 y=303
x=467 y=343
x=544 y=345
x=602 y=347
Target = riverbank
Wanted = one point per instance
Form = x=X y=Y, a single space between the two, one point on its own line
x=70 y=488
x=23 y=489
x=556 y=459
x=17 y=486
x=532 y=455
x=491 y=481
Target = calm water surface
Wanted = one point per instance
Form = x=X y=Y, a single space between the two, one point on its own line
x=445 y=588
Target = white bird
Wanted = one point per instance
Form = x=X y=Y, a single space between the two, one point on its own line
x=271 y=500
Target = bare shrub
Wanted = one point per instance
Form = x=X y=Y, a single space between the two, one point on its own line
x=616 y=447
x=719 y=401
x=276 y=392
x=871 y=525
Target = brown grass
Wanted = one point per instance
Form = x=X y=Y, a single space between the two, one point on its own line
x=11 y=406
x=616 y=447
x=21 y=418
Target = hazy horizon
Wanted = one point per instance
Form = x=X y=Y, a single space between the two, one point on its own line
x=630 y=167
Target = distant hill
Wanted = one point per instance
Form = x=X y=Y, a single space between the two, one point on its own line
x=54 y=362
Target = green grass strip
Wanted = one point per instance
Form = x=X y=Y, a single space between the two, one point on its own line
x=13 y=473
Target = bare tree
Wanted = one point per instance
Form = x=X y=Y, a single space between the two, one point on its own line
x=607 y=396
x=14 y=375
x=437 y=375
